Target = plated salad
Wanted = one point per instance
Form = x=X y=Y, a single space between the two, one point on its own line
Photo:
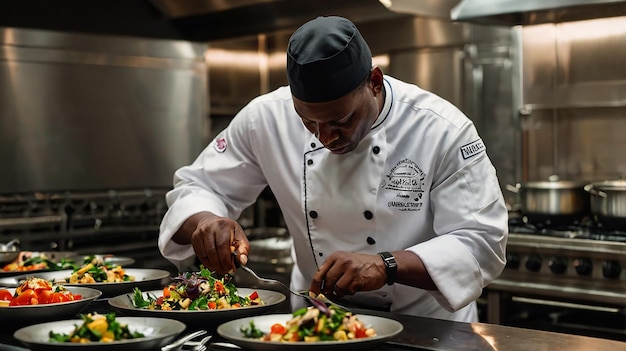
x=36 y=291
x=96 y=270
x=308 y=324
x=97 y=328
x=28 y=261
x=196 y=291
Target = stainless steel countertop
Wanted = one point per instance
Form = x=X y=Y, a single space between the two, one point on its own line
x=422 y=333
x=435 y=334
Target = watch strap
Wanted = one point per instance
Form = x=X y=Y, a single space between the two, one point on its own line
x=391 y=267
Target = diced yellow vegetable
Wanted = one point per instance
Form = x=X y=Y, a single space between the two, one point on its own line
x=100 y=325
x=185 y=303
x=340 y=335
x=321 y=323
x=108 y=336
x=84 y=269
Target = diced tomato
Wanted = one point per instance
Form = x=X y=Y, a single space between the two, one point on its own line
x=27 y=297
x=59 y=297
x=212 y=305
x=278 y=328
x=6 y=295
x=360 y=333
x=254 y=295
x=159 y=301
x=44 y=295
x=219 y=287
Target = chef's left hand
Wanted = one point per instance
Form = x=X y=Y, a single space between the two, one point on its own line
x=345 y=273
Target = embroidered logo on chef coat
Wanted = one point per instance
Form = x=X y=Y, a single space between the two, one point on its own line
x=220 y=144
x=472 y=149
x=407 y=180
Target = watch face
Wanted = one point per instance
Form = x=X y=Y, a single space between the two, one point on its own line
x=391 y=267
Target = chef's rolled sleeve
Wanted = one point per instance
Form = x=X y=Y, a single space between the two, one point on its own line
x=459 y=280
x=187 y=204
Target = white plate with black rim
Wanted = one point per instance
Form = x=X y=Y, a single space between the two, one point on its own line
x=385 y=329
x=29 y=314
x=271 y=299
x=157 y=332
x=144 y=279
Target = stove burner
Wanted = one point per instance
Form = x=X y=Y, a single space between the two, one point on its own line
x=555 y=221
x=585 y=230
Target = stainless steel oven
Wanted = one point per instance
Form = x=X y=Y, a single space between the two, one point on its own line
x=121 y=222
x=566 y=278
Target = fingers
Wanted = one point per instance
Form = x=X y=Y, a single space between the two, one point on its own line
x=329 y=278
x=215 y=239
x=319 y=282
x=205 y=247
x=240 y=245
x=345 y=273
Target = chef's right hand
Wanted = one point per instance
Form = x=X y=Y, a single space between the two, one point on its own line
x=215 y=239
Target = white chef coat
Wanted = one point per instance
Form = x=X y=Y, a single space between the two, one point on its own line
x=420 y=181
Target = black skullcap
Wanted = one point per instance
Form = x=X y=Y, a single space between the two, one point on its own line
x=326 y=59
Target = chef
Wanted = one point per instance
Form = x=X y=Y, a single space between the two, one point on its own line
x=386 y=189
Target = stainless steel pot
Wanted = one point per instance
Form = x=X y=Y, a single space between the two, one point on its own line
x=553 y=198
x=9 y=251
x=608 y=199
x=270 y=247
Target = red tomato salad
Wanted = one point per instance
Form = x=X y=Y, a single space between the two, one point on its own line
x=36 y=291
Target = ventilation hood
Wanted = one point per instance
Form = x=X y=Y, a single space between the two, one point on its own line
x=194 y=20
x=526 y=12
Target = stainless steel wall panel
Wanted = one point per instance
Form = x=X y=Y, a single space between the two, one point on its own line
x=113 y=45
x=574 y=98
x=425 y=68
x=77 y=119
x=575 y=64
x=579 y=144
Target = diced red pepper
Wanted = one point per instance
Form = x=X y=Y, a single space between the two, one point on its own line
x=219 y=287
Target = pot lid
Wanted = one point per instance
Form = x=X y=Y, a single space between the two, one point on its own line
x=610 y=185
x=557 y=184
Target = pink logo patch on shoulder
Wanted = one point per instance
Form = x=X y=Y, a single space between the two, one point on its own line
x=220 y=145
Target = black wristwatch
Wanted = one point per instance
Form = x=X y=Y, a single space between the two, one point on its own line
x=391 y=267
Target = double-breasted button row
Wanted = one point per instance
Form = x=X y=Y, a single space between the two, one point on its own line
x=367 y=214
x=375 y=150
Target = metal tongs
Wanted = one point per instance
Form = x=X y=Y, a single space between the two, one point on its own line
x=316 y=302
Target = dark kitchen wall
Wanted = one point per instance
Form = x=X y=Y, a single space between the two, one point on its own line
x=191 y=20
x=134 y=18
